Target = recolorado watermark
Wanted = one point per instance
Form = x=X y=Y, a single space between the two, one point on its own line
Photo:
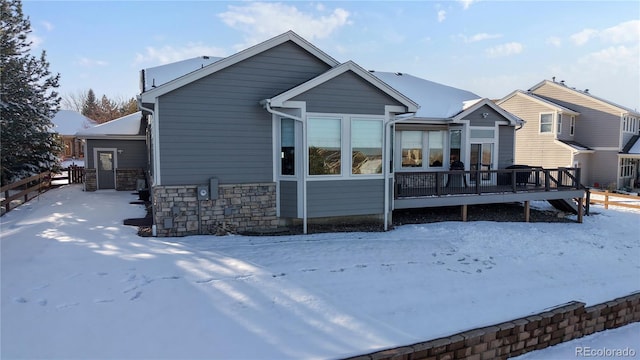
x=604 y=352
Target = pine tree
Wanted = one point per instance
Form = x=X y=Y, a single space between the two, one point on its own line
x=28 y=101
x=90 y=107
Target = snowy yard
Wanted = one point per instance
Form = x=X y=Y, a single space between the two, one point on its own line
x=76 y=283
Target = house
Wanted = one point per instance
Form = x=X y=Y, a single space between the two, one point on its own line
x=66 y=123
x=117 y=156
x=282 y=133
x=566 y=127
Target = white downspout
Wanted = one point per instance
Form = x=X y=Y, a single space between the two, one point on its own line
x=267 y=106
x=154 y=231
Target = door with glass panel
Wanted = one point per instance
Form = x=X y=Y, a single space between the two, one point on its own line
x=106 y=170
x=481 y=158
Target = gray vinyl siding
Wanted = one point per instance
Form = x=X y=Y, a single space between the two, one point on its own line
x=604 y=168
x=133 y=155
x=506 y=138
x=476 y=118
x=597 y=125
x=347 y=94
x=584 y=163
x=215 y=126
x=345 y=198
x=288 y=199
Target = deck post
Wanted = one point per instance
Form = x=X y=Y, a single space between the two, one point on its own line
x=464 y=212
x=580 y=200
x=527 y=211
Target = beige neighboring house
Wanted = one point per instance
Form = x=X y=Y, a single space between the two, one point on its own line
x=566 y=127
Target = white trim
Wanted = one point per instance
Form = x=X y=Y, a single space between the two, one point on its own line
x=155 y=132
x=513 y=120
x=95 y=164
x=113 y=137
x=572 y=149
x=151 y=94
x=278 y=100
x=553 y=123
x=610 y=148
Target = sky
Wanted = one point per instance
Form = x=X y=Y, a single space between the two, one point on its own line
x=488 y=47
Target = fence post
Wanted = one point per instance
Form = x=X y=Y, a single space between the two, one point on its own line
x=606 y=199
x=547 y=183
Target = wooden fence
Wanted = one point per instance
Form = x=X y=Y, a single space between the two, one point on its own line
x=623 y=203
x=25 y=190
x=74 y=175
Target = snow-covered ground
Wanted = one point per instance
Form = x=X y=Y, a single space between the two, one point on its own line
x=76 y=283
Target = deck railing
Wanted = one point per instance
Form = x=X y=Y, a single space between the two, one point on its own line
x=460 y=182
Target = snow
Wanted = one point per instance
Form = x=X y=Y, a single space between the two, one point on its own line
x=126 y=125
x=159 y=75
x=76 y=283
x=69 y=162
x=437 y=101
x=635 y=149
x=68 y=122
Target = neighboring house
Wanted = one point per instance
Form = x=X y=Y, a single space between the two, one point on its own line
x=282 y=133
x=565 y=127
x=116 y=154
x=66 y=123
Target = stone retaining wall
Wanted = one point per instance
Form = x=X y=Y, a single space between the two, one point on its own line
x=239 y=208
x=90 y=180
x=126 y=179
x=519 y=336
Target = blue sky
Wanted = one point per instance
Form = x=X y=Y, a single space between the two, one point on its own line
x=488 y=47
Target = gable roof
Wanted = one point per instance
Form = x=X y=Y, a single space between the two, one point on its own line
x=155 y=76
x=150 y=95
x=512 y=119
x=585 y=94
x=437 y=101
x=68 y=122
x=278 y=100
x=125 y=127
x=539 y=100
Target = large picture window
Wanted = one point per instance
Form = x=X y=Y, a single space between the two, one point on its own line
x=325 y=150
x=366 y=146
x=411 y=149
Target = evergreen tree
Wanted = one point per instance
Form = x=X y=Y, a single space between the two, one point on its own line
x=108 y=110
x=28 y=101
x=90 y=106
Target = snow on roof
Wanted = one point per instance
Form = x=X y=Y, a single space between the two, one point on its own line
x=126 y=125
x=437 y=101
x=575 y=145
x=69 y=122
x=156 y=76
x=635 y=148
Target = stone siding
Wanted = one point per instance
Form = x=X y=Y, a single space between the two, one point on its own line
x=90 y=180
x=239 y=208
x=516 y=337
x=126 y=179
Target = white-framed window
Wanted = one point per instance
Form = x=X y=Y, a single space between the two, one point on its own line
x=546 y=123
x=559 y=124
x=572 y=125
x=366 y=146
x=422 y=148
x=287 y=147
x=630 y=124
x=626 y=167
x=324 y=137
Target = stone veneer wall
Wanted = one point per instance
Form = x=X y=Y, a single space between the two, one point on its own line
x=126 y=179
x=519 y=336
x=90 y=180
x=239 y=208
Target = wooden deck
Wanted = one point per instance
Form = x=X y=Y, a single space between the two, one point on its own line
x=448 y=188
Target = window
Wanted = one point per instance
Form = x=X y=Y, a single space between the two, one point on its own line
x=546 y=123
x=287 y=147
x=626 y=167
x=436 y=148
x=366 y=146
x=455 y=145
x=630 y=124
x=411 y=148
x=559 y=125
x=325 y=146
x=572 y=126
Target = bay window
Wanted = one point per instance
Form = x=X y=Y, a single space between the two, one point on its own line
x=366 y=146
x=325 y=145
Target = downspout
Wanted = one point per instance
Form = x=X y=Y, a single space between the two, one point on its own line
x=154 y=230
x=267 y=106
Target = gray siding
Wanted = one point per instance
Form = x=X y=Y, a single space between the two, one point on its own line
x=506 y=145
x=604 y=168
x=215 y=126
x=476 y=118
x=288 y=199
x=133 y=155
x=596 y=126
x=345 y=198
x=347 y=94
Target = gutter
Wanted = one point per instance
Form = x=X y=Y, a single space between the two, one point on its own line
x=267 y=105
